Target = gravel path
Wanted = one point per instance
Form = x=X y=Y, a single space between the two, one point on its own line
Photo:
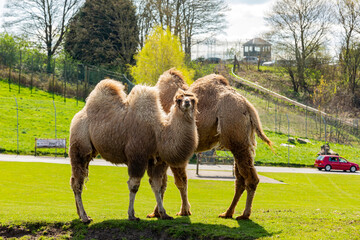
x=206 y=172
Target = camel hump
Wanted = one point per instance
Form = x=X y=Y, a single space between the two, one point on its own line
x=215 y=79
x=172 y=77
x=145 y=100
x=110 y=87
x=221 y=80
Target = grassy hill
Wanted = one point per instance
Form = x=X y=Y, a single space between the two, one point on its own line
x=37 y=120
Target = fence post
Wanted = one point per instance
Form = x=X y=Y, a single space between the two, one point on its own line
x=53 y=85
x=17 y=126
x=306 y=113
x=324 y=119
x=55 y=125
x=320 y=125
x=9 y=78
x=288 y=138
x=32 y=73
x=19 y=72
x=85 y=82
x=64 y=80
x=275 y=114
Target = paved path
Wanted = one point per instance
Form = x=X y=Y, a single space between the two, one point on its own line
x=206 y=172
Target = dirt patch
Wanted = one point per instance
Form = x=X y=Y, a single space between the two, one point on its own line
x=33 y=231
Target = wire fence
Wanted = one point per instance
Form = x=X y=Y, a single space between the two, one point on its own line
x=282 y=115
x=67 y=78
x=25 y=119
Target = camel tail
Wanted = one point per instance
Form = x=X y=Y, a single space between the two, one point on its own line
x=256 y=124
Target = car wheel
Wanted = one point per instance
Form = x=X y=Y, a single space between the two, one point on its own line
x=319 y=168
x=327 y=167
x=353 y=169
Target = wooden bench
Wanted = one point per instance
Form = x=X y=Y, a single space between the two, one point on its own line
x=211 y=158
x=50 y=143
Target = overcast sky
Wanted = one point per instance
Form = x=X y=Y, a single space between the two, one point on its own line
x=245 y=18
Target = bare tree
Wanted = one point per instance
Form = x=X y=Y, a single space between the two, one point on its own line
x=299 y=28
x=185 y=18
x=348 y=17
x=45 y=20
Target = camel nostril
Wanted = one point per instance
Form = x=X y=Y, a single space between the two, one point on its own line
x=187 y=103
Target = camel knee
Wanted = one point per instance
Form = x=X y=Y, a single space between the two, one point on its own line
x=251 y=184
x=77 y=183
x=181 y=181
x=133 y=185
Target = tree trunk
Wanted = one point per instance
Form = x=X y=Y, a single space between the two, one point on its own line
x=293 y=80
x=48 y=63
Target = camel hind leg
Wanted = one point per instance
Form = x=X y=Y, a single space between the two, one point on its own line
x=155 y=213
x=247 y=170
x=251 y=181
x=80 y=171
x=158 y=180
x=181 y=183
x=239 y=189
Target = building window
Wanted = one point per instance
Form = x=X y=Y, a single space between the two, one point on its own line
x=246 y=49
x=257 y=49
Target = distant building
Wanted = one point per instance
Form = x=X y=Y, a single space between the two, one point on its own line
x=259 y=48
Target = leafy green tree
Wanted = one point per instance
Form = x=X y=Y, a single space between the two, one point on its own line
x=161 y=51
x=45 y=20
x=8 y=50
x=105 y=33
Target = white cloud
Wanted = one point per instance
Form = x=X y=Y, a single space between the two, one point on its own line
x=246 y=20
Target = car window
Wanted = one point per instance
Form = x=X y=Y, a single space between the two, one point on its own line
x=342 y=160
x=333 y=159
x=320 y=158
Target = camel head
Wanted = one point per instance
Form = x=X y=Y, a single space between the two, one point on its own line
x=186 y=101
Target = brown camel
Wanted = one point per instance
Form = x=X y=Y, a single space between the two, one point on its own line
x=225 y=119
x=133 y=130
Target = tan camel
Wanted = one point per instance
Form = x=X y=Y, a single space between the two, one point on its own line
x=225 y=119
x=133 y=130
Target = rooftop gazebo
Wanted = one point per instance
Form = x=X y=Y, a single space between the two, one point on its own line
x=257 y=47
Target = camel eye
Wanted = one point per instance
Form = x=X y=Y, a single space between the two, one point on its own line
x=178 y=101
x=193 y=101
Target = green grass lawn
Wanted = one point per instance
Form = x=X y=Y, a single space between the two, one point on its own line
x=36 y=199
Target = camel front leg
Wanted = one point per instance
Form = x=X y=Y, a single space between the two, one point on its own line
x=79 y=173
x=181 y=183
x=239 y=189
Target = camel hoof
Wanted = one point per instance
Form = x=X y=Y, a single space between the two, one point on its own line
x=242 y=217
x=225 y=215
x=86 y=220
x=166 y=217
x=153 y=215
x=184 y=213
x=134 y=219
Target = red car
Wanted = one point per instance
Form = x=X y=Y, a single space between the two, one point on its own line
x=329 y=162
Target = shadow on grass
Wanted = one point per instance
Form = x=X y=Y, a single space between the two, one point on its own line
x=179 y=228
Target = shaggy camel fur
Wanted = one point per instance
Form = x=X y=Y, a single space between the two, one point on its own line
x=133 y=130
x=225 y=119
